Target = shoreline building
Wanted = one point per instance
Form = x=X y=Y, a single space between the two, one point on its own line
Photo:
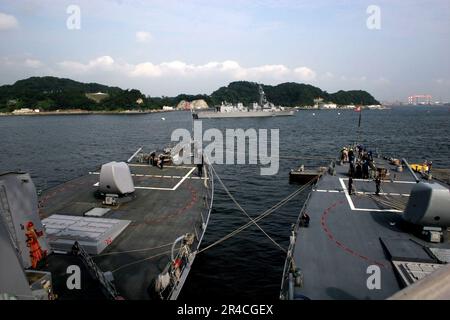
x=420 y=99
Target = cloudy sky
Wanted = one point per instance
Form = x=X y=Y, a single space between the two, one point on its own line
x=169 y=47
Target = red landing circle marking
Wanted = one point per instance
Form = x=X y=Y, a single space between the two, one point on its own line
x=68 y=185
x=323 y=222
x=189 y=204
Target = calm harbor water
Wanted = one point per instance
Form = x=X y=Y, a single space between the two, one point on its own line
x=57 y=148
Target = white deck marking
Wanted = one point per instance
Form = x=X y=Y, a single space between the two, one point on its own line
x=155 y=176
x=154 y=188
x=349 y=200
x=149 y=166
x=186 y=176
x=352 y=206
x=134 y=155
x=366 y=193
x=384 y=181
x=169 y=189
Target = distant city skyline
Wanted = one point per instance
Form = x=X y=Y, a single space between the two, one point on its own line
x=391 y=48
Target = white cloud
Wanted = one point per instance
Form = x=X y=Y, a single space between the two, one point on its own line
x=7 y=22
x=104 y=63
x=176 y=70
x=6 y=61
x=16 y=62
x=143 y=36
x=199 y=74
x=33 y=63
x=383 y=81
x=278 y=71
x=229 y=68
x=354 y=79
x=442 y=82
x=305 y=73
x=328 y=75
x=146 y=69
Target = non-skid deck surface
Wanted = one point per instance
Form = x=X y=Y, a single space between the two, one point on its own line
x=343 y=238
x=168 y=203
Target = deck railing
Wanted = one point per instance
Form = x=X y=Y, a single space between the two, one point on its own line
x=187 y=255
x=286 y=282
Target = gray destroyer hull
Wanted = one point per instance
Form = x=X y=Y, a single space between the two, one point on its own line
x=241 y=114
x=348 y=233
x=122 y=249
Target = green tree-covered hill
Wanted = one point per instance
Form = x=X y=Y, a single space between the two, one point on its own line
x=51 y=93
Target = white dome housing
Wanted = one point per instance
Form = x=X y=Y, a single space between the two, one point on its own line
x=428 y=205
x=115 y=178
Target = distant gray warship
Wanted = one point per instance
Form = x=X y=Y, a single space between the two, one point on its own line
x=261 y=109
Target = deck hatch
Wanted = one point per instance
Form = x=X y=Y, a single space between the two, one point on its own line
x=442 y=254
x=97 y=212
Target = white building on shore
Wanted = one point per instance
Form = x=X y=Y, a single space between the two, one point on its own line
x=328 y=106
x=23 y=111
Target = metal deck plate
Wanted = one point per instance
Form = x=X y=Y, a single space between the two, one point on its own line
x=406 y=250
x=411 y=272
x=94 y=234
x=441 y=254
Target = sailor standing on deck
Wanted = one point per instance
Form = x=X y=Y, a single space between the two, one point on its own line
x=378 y=185
x=351 y=155
x=161 y=161
x=350 y=185
x=152 y=159
x=304 y=220
x=200 y=168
